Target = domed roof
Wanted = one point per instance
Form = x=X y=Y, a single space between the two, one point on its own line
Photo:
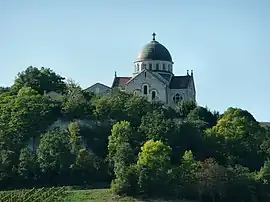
x=154 y=51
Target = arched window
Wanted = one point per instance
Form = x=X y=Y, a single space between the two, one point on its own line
x=150 y=66
x=143 y=66
x=164 y=67
x=145 y=89
x=177 y=98
x=157 y=66
x=138 y=67
x=153 y=95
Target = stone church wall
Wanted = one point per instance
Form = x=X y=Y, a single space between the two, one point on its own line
x=152 y=83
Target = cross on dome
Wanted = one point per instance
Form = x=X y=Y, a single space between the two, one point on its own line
x=154 y=36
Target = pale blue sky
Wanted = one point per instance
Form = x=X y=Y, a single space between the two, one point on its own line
x=225 y=42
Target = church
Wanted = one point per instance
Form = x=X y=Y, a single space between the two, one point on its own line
x=153 y=78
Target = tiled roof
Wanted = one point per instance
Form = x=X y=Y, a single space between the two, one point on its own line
x=180 y=82
x=165 y=76
x=119 y=81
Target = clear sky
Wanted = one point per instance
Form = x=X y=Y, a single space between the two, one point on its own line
x=225 y=42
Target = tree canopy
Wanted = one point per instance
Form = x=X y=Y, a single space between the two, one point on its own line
x=139 y=147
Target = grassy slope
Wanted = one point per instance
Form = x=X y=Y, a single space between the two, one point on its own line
x=99 y=195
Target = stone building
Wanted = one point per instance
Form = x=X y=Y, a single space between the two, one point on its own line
x=153 y=77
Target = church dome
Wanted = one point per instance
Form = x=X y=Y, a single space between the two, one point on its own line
x=154 y=51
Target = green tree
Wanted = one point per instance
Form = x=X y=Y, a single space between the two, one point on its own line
x=28 y=166
x=96 y=137
x=54 y=155
x=264 y=181
x=185 y=107
x=117 y=102
x=102 y=108
x=76 y=104
x=121 y=106
x=211 y=181
x=155 y=125
x=241 y=184
x=203 y=114
x=265 y=146
x=25 y=116
x=215 y=146
x=186 y=136
x=87 y=167
x=74 y=137
x=8 y=163
x=121 y=133
x=243 y=137
x=135 y=108
x=186 y=176
x=121 y=155
x=153 y=167
x=42 y=80
x=27 y=91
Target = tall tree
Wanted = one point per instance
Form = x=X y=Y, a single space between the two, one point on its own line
x=243 y=137
x=42 y=80
x=155 y=125
x=203 y=114
x=54 y=155
x=211 y=180
x=121 y=155
x=76 y=104
x=28 y=114
x=153 y=167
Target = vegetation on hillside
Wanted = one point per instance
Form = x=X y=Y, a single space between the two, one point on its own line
x=64 y=195
x=140 y=148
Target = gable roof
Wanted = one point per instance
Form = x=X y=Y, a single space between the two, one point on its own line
x=119 y=81
x=89 y=88
x=180 y=82
x=156 y=75
x=166 y=76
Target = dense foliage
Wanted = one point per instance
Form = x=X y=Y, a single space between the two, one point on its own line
x=140 y=148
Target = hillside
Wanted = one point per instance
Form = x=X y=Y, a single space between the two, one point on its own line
x=138 y=147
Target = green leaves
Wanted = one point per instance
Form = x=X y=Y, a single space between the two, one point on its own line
x=153 y=166
x=154 y=153
x=185 y=107
x=121 y=156
x=203 y=114
x=155 y=125
x=141 y=142
x=26 y=116
x=76 y=104
x=41 y=80
x=54 y=152
x=236 y=123
x=28 y=165
x=242 y=137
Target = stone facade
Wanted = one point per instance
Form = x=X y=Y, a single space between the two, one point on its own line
x=153 y=78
